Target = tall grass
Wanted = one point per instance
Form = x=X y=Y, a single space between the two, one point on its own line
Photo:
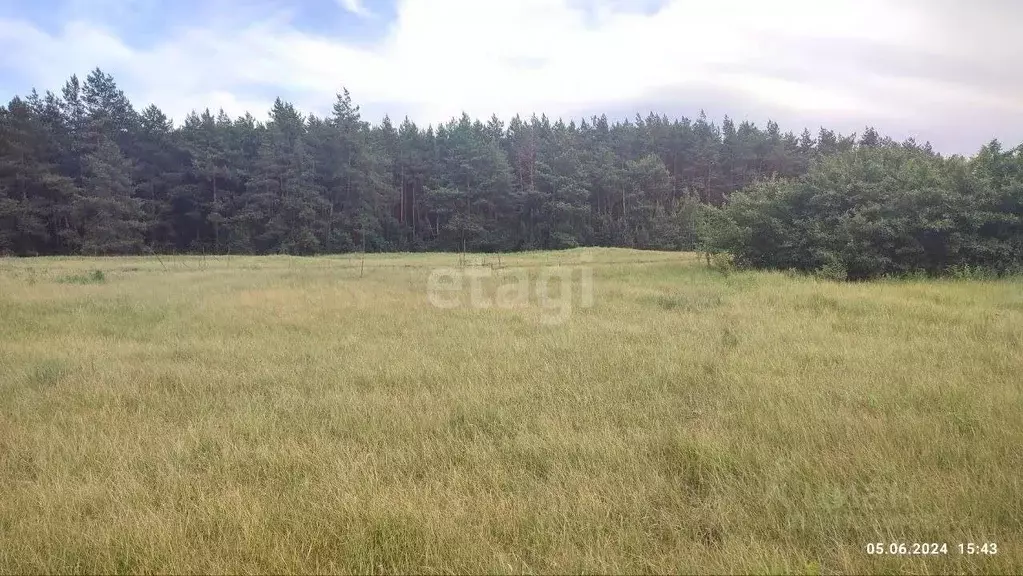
x=287 y=415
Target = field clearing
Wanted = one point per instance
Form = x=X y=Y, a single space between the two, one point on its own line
x=286 y=414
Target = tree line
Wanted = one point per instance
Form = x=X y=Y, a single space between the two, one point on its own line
x=84 y=172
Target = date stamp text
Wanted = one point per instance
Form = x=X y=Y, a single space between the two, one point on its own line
x=931 y=548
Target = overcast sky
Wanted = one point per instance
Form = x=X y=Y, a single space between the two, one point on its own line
x=948 y=71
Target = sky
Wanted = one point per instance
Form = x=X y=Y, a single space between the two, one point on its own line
x=944 y=71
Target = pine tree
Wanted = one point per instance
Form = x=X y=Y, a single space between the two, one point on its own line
x=282 y=208
x=110 y=220
x=159 y=163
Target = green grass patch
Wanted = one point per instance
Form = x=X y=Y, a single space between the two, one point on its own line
x=94 y=277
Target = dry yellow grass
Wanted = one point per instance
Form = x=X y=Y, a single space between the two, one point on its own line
x=300 y=415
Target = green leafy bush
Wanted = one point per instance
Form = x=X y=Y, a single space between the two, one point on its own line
x=874 y=212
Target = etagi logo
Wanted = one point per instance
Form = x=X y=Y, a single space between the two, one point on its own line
x=512 y=287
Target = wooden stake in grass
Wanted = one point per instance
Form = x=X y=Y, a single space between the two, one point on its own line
x=183 y=260
x=362 y=270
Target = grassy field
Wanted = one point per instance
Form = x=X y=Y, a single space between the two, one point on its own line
x=286 y=414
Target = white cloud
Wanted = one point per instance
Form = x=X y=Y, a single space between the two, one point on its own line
x=357 y=7
x=442 y=57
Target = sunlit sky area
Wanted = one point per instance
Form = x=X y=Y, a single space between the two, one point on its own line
x=946 y=71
